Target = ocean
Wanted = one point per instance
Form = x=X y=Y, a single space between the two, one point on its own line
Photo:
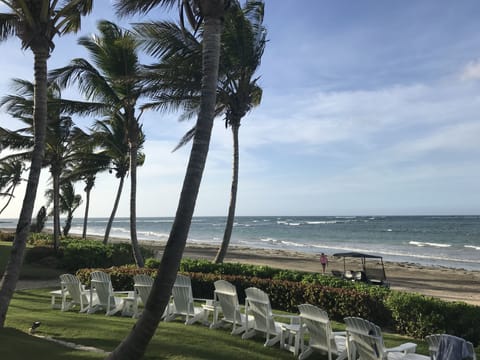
x=449 y=241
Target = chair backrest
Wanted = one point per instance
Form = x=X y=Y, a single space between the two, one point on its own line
x=73 y=285
x=258 y=304
x=226 y=295
x=101 y=282
x=318 y=324
x=359 y=325
x=445 y=346
x=143 y=286
x=182 y=295
x=368 y=347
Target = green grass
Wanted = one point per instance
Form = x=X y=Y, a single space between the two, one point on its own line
x=172 y=340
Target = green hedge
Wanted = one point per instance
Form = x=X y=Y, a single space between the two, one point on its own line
x=409 y=314
x=77 y=253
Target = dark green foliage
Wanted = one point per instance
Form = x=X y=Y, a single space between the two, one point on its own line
x=419 y=315
x=7 y=236
x=77 y=253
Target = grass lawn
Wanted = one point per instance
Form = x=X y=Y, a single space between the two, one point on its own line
x=172 y=340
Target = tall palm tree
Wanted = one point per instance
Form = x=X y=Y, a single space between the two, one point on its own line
x=110 y=135
x=113 y=79
x=243 y=44
x=35 y=23
x=11 y=171
x=212 y=12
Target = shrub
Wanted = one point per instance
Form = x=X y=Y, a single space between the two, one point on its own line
x=38 y=253
x=7 y=236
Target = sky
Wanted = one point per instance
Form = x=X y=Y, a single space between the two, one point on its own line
x=369 y=108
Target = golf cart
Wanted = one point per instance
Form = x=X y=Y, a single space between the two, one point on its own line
x=371 y=273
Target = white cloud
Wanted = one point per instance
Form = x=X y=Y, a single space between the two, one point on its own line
x=471 y=71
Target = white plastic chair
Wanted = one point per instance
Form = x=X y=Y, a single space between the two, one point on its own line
x=438 y=346
x=72 y=288
x=258 y=305
x=365 y=339
x=142 y=287
x=226 y=298
x=107 y=298
x=315 y=321
x=183 y=303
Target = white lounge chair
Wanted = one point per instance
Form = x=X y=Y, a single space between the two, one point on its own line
x=226 y=298
x=258 y=305
x=108 y=299
x=142 y=287
x=183 y=303
x=444 y=346
x=365 y=339
x=72 y=288
x=321 y=337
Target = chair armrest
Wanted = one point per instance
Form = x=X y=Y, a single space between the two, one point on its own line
x=124 y=293
x=339 y=333
x=405 y=348
x=294 y=319
x=207 y=301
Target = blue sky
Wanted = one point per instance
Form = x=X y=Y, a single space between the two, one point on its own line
x=369 y=108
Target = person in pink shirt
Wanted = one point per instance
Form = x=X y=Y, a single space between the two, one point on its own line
x=324 y=262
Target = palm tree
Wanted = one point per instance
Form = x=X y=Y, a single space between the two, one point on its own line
x=59 y=142
x=86 y=164
x=11 y=171
x=110 y=135
x=35 y=23
x=69 y=202
x=212 y=12
x=243 y=44
x=113 y=79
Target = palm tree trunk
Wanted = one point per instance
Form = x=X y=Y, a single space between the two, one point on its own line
x=137 y=254
x=114 y=210
x=12 y=270
x=222 y=251
x=56 y=209
x=85 y=216
x=134 y=345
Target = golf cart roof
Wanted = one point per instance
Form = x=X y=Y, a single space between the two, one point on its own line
x=357 y=255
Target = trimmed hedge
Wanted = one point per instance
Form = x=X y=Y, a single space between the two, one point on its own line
x=77 y=253
x=409 y=314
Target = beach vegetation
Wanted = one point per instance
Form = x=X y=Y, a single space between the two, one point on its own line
x=409 y=314
x=209 y=14
x=35 y=23
x=11 y=171
x=112 y=83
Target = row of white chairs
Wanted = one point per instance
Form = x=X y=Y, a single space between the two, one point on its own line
x=362 y=339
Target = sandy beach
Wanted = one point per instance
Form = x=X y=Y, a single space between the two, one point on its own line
x=444 y=283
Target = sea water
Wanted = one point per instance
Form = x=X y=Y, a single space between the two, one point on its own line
x=450 y=241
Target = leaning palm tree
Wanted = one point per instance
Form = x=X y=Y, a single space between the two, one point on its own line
x=113 y=79
x=11 y=171
x=212 y=12
x=35 y=23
